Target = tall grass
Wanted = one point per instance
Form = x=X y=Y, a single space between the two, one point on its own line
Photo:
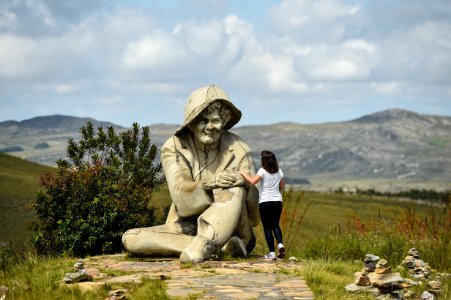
x=294 y=209
x=330 y=259
x=387 y=237
x=327 y=279
x=293 y=213
x=29 y=276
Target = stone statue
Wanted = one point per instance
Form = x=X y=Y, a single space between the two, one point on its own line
x=213 y=208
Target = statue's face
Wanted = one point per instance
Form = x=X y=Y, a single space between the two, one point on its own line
x=207 y=129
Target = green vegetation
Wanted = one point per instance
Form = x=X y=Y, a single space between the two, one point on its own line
x=417 y=194
x=19 y=185
x=103 y=189
x=330 y=257
x=35 y=277
x=329 y=232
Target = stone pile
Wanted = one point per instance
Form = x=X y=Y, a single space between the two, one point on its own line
x=79 y=276
x=378 y=278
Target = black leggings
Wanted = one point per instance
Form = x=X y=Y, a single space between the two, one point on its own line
x=270 y=215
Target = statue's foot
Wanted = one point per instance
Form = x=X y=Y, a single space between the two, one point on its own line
x=236 y=247
x=198 y=250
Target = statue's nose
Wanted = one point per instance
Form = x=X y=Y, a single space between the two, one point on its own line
x=210 y=125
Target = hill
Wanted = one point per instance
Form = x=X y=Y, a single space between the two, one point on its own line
x=388 y=150
x=43 y=139
x=19 y=186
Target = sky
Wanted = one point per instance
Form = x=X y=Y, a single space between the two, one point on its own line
x=303 y=61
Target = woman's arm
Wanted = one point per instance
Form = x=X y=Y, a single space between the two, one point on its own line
x=281 y=184
x=251 y=179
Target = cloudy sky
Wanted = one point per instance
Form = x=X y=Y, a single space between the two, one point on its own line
x=305 y=61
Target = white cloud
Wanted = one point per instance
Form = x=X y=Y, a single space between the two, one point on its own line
x=110 y=100
x=297 y=13
x=203 y=38
x=64 y=88
x=386 y=87
x=112 y=52
x=153 y=52
x=359 y=44
x=8 y=20
x=342 y=69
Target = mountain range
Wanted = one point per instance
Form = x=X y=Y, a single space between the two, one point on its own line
x=388 y=150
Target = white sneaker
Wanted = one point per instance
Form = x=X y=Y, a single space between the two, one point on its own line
x=270 y=256
x=281 y=251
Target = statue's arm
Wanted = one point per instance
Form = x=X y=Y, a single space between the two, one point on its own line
x=188 y=196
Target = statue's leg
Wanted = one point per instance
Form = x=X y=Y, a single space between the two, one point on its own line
x=163 y=240
x=216 y=224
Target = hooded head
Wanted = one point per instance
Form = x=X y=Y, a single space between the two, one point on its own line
x=200 y=99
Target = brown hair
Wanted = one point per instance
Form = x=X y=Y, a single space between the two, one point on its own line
x=269 y=162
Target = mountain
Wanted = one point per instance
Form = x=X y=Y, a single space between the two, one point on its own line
x=390 y=149
x=43 y=139
x=389 y=146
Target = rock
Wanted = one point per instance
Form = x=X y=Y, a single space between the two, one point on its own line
x=352 y=288
x=435 y=287
x=79 y=265
x=427 y=296
x=382 y=270
x=410 y=282
x=382 y=263
x=361 y=279
x=370 y=261
x=386 y=297
x=434 y=284
x=387 y=283
x=414 y=252
x=382 y=267
x=408 y=262
x=117 y=294
x=77 y=277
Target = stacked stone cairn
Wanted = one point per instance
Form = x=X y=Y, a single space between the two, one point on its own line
x=80 y=274
x=378 y=278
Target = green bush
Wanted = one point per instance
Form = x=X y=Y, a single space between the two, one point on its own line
x=101 y=190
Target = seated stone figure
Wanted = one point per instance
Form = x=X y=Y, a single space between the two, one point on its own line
x=213 y=207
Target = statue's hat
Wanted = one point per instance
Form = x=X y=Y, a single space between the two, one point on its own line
x=203 y=97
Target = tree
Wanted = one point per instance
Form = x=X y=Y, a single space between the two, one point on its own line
x=100 y=191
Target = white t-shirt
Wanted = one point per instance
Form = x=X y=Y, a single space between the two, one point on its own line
x=269 y=185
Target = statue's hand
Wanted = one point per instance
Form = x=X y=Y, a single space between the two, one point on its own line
x=224 y=179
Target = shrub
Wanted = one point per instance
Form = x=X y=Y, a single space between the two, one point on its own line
x=101 y=190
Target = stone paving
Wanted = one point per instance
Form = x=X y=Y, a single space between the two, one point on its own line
x=252 y=278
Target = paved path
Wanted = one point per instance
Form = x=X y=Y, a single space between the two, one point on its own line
x=252 y=278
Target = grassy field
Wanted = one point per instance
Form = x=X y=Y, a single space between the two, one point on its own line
x=19 y=184
x=329 y=232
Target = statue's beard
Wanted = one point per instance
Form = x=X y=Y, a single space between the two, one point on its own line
x=210 y=139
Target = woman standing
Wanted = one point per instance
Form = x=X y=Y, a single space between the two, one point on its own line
x=270 y=202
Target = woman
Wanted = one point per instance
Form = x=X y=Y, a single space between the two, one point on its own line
x=270 y=201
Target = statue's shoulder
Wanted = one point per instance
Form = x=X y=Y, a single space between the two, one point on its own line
x=175 y=142
x=233 y=140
